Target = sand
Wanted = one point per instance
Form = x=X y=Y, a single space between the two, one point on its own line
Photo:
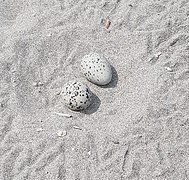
x=137 y=127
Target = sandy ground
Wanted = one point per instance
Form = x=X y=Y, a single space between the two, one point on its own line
x=137 y=127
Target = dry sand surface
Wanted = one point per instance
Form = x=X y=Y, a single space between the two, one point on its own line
x=138 y=125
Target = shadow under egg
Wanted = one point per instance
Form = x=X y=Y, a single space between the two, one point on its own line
x=114 y=80
x=93 y=107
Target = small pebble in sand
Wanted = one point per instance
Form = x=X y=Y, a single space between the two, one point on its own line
x=37 y=84
x=107 y=23
x=39 y=129
x=155 y=57
x=168 y=69
x=61 y=133
x=76 y=95
x=96 y=69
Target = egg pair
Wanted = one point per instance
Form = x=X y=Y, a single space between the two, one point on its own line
x=96 y=69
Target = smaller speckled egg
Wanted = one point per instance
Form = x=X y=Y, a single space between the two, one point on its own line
x=96 y=69
x=76 y=95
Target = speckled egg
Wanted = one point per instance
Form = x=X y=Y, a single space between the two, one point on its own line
x=96 y=69
x=76 y=95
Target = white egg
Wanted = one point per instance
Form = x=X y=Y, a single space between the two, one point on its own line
x=96 y=69
x=76 y=95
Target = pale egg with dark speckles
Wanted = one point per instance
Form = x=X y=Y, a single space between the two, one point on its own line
x=96 y=69
x=76 y=95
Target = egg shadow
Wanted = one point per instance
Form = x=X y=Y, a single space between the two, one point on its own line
x=94 y=105
x=114 y=80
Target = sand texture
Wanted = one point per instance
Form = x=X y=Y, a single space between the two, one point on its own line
x=138 y=126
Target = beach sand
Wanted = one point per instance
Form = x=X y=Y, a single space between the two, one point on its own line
x=137 y=127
